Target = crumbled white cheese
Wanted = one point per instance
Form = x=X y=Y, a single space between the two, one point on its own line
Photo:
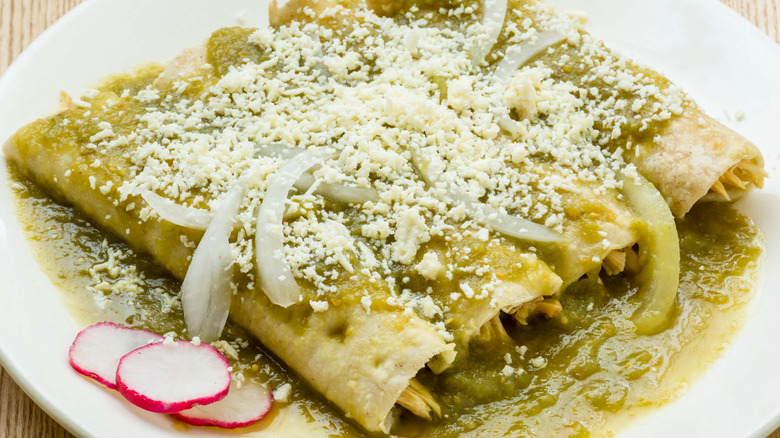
x=388 y=95
x=282 y=392
x=520 y=94
x=226 y=348
x=539 y=362
x=366 y=302
x=319 y=306
x=430 y=267
x=467 y=290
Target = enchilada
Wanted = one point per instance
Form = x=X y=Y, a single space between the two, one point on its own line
x=418 y=261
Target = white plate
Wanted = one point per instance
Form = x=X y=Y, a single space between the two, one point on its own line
x=718 y=57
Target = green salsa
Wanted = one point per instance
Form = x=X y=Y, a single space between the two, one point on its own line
x=584 y=369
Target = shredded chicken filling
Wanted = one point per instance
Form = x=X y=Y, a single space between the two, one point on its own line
x=418 y=400
x=493 y=331
x=548 y=307
x=621 y=260
x=738 y=177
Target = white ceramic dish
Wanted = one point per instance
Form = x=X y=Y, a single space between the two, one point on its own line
x=726 y=64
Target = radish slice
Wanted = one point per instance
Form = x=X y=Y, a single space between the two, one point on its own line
x=97 y=349
x=205 y=291
x=243 y=406
x=493 y=14
x=170 y=377
x=190 y=217
x=276 y=277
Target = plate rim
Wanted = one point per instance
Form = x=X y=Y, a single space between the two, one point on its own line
x=10 y=366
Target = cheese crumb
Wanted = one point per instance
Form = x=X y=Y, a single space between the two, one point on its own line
x=430 y=267
x=282 y=393
x=539 y=362
x=319 y=306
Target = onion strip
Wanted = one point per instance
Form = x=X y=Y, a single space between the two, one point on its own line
x=659 y=254
x=515 y=57
x=278 y=150
x=340 y=193
x=518 y=55
x=205 y=291
x=501 y=222
x=493 y=14
x=505 y=223
x=190 y=217
x=275 y=274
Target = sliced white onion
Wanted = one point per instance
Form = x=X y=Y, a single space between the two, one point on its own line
x=276 y=277
x=659 y=251
x=518 y=55
x=278 y=150
x=205 y=291
x=510 y=125
x=504 y=223
x=337 y=192
x=190 y=217
x=515 y=57
x=493 y=13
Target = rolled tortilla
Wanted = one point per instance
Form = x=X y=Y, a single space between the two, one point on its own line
x=693 y=156
x=521 y=285
x=597 y=226
x=378 y=376
x=688 y=157
x=514 y=277
x=361 y=361
x=385 y=346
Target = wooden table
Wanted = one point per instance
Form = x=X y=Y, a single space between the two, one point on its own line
x=23 y=20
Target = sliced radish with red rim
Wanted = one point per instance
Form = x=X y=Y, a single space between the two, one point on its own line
x=97 y=349
x=169 y=377
x=243 y=406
